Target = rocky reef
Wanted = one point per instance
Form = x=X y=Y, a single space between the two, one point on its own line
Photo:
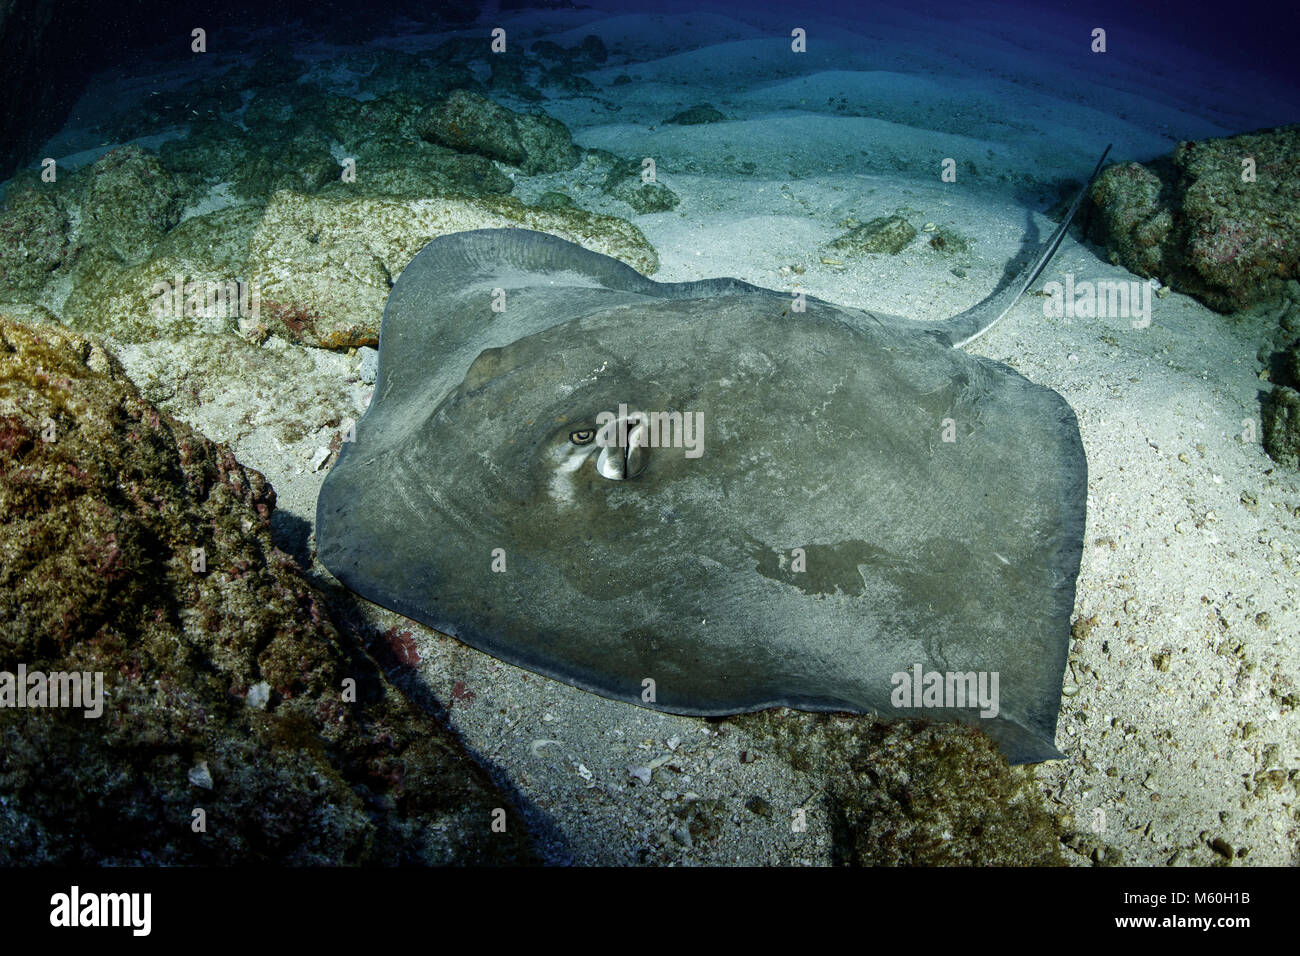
x=916 y=793
x=238 y=723
x=1217 y=219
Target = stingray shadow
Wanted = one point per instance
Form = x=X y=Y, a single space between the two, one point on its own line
x=377 y=661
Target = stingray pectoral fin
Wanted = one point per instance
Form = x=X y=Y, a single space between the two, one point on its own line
x=974 y=322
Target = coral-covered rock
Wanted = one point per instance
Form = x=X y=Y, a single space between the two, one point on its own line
x=623 y=181
x=304 y=163
x=468 y=122
x=324 y=265
x=696 y=116
x=915 y=793
x=34 y=239
x=885 y=234
x=194 y=282
x=130 y=201
x=1218 y=219
x=133 y=548
x=1281 y=418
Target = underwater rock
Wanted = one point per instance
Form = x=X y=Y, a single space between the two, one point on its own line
x=273 y=67
x=199 y=101
x=591 y=52
x=885 y=234
x=393 y=160
x=285 y=145
x=1281 y=419
x=299 y=111
x=130 y=201
x=325 y=264
x=223 y=678
x=623 y=182
x=696 y=115
x=212 y=152
x=204 y=257
x=1132 y=220
x=468 y=122
x=34 y=239
x=418 y=171
x=1218 y=219
x=26 y=313
x=551 y=199
x=587 y=55
x=570 y=82
x=915 y=793
x=511 y=77
x=390 y=71
x=304 y=164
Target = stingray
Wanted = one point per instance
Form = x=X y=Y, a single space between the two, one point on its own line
x=711 y=498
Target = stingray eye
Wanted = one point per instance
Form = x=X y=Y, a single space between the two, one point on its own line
x=583 y=436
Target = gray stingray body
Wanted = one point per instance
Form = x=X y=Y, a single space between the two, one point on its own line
x=863 y=499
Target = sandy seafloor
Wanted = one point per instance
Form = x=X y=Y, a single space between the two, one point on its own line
x=1175 y=561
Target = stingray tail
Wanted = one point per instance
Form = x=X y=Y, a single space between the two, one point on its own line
x=974 y=322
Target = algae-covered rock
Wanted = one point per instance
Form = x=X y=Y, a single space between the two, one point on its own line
x=304 y=164
x=570 y=83
x=34 y=239
x=587 y=55
x=885 y=234
x=623 y=182
x=228 y=731
x=391 y=159
x=552 y=199
x=213 y=151
x=420 y=170
x=386 y=71
x=696 y=116
x=286 y=144
x=131 y=200
x=510 y=75
x=915 y=793
x=1281 y=419
x=1134 y=217
x=26 y=313
x=194 y=282
x=324 y=264
x=468 y=122
x=1218 y=219
x=646 y=197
